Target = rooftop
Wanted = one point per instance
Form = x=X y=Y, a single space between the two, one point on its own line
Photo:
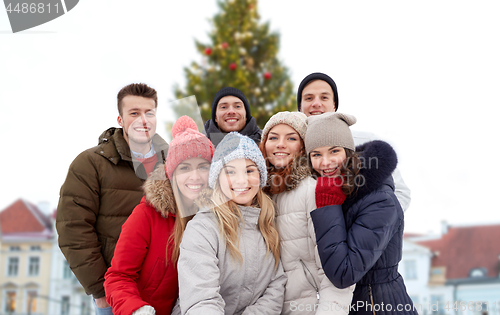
x=23 y=217
x=463 y=248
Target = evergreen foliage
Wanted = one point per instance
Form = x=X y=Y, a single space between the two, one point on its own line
x=242 y=53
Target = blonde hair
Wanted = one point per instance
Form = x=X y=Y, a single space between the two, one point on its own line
x=180 y=223
x=229 y=215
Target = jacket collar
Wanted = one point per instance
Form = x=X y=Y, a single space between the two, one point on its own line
x=212 y=131
x=113 y=146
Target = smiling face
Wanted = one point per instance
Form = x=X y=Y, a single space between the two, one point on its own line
x=327 y=161
x=239 y=180
x=317 y=98
x=230 y=114
x=283 y=144
x=191 y=176
x=138 y=120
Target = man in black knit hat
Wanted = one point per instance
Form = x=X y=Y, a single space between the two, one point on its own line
x=317 y=94
x=231 y=112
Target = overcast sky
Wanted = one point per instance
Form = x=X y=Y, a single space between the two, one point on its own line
x=422 y=75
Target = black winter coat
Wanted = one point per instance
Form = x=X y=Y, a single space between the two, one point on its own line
x=361 y=241
x=212 y=131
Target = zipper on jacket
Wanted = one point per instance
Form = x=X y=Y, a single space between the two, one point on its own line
x=371 y=298
x=313 y=284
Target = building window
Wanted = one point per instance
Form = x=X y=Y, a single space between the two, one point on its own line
x=410 y=270
x=438 y=275
x=415 y=299
x=31 y=301
x=478 y=272
x=10 y=302
x=67 y=274
x=84 y=309
x=65 y=305
x=13 y=266
x=437 y=302
x=34 y=266
x=35 y=248
x=15 y=249
x=417 y=306
x=481 y=309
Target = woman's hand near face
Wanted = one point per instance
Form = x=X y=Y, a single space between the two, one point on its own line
x=329 y=192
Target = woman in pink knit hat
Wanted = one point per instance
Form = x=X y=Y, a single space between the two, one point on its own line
x=142 y=279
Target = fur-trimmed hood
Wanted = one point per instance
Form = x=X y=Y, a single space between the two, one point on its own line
x=158 y=192
x=378 y=161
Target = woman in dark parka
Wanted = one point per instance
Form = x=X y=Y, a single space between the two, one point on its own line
x=360 y=239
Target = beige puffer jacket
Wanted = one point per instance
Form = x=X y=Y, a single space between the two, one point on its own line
x=308 y=290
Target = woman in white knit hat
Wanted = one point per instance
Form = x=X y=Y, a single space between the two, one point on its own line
x=308 y=290
x=229 y=256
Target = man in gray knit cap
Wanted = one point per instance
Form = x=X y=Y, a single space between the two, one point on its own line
x=317 y=94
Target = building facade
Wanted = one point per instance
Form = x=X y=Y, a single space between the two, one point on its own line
x=34 y=276
x=26 y=252
x=457 y=272
x=65 y=288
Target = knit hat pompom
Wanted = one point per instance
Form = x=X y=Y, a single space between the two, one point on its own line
x=182 y=124
x=187 y=143
x=296 y=120
x=329 y=129
x=236 y=146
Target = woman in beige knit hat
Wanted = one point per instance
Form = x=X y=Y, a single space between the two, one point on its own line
x=359 y=221
x=307 y=291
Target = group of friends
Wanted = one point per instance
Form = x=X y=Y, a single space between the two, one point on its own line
x=302 y=217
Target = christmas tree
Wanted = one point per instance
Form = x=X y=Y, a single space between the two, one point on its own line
x=242 y=53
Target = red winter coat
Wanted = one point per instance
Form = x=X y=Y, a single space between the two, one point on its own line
x=140 y=273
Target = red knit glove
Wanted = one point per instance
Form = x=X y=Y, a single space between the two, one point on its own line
x=329 y=191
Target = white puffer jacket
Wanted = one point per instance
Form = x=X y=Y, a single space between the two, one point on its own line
x=308 y=290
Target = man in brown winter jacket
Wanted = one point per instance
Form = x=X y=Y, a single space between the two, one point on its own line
x=103 y=186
